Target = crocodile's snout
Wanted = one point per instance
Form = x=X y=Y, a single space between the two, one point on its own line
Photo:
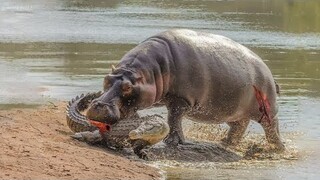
x=152 y=131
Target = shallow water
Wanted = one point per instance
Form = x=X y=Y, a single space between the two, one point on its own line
x=58 y=49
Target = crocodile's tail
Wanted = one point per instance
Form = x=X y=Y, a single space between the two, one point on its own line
x=76 y=121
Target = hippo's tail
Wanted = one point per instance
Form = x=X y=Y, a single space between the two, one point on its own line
x=277 y=87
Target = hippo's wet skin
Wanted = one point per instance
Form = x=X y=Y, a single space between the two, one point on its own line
x=206 y=77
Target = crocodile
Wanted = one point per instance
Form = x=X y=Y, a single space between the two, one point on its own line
x=141 y=134
x=136 y=132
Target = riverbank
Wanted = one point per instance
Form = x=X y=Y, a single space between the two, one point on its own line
x=35 y=144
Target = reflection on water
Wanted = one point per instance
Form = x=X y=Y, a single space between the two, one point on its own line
x=61 y=48
x=297 y=71
x=34 y=72
x=294 y=16
x=275 y=23
x=81 y=67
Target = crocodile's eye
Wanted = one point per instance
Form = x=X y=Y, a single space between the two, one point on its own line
x=152 y=129
x=149 y=127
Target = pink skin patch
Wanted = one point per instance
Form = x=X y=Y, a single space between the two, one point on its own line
x=264 y=105
x=103 y=127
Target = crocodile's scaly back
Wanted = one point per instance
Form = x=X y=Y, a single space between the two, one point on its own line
x=76 y=121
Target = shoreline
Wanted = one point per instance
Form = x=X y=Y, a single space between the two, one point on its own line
x=36 y=144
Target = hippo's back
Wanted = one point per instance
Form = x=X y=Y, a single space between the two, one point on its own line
x=207 y=42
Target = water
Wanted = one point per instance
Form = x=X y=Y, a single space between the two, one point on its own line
x=58 y=49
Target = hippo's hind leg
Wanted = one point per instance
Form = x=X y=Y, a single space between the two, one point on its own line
x=271 y=130
x=236 y=131
x=176 y=109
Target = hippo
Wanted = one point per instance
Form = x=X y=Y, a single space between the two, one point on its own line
x=205 y=77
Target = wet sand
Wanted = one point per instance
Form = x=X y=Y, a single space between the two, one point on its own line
x=35 y=144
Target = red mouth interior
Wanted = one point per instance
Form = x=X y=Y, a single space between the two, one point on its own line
x=103 y=127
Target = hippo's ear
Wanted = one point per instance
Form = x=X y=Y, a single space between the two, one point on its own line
x=113 y=68
x=127 y=88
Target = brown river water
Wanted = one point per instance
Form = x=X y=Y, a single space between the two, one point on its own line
x=56 y=49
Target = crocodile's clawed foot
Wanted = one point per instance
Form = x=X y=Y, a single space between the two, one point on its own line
x=88 y=136
x=78 y=136
x=140 y=148
x=143 y=154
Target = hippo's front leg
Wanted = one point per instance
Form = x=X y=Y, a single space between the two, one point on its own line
x=176 y=109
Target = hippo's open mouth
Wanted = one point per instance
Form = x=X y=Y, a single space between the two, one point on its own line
x=103 y=127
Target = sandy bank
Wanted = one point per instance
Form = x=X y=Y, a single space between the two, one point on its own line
x=35 y=144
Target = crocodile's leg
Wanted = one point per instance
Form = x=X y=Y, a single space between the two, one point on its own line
x=139 y=148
